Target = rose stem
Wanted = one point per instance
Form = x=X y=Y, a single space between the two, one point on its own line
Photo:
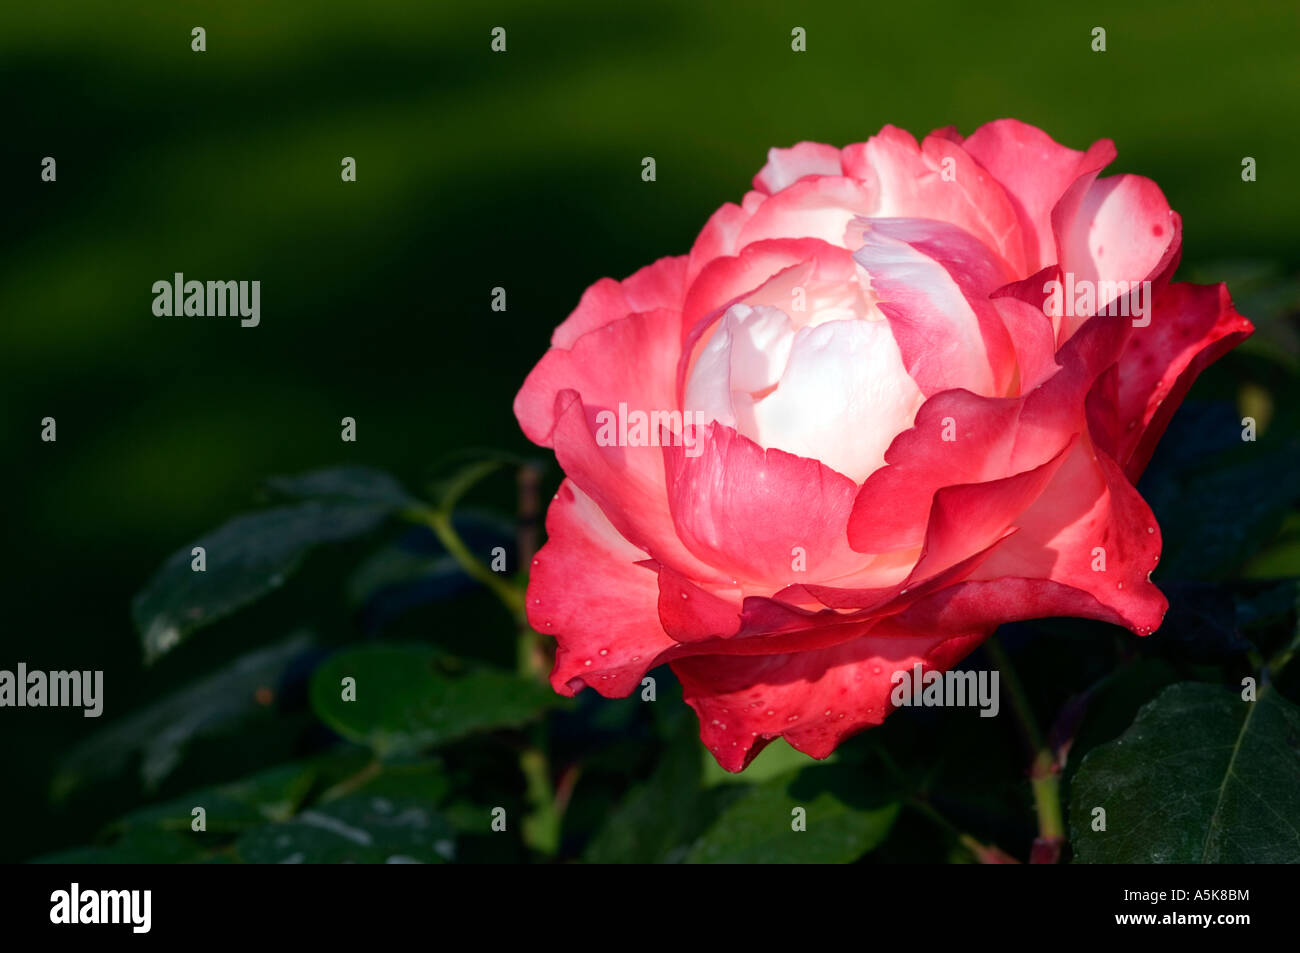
x=983 y=853
x=542 y=826
x=1044 y=772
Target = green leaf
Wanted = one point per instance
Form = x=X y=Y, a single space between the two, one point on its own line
x=406 y=701
x=448 y=490
x=1201 y=776
x=274 y=794
x=461 y=470
x=1268 y=606
x=363 y=828
x=346 y=484
x=163 y=833
x=1115 y=702
x=394 y=566
x=1217 y=499
x=160 y=732
x=420 y=560
x=139 y=847
x=425 y=780
x=1279 y=557
x=245 y=559
x=846 y=814
x=656 y=821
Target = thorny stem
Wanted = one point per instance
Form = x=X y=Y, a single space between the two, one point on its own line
x=532 y=656
x=1279 y=661
x=1045 y=779
x=528 y=480
x=984 y=853
x=440 y=522
x=1019 y=700
x=541 y=827
x=349 y=784
x=1044 y=771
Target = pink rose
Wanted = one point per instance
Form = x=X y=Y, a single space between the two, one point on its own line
x=896 y=397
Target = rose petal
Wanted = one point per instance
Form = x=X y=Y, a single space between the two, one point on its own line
x=933 y=281
x=628 y=485
x=631 y=360
x=787 y=166
x=959 y=437
x=607 y=629
x=938 y=180
x=1035 y=171
x=814 y=207
x=744 y=510
x=843 y=377
x=746 y=354
x=718 y=239
x=661 y=285
x=1091 y=531
x=1192 y=326
x=813 y=699
x=744 y=276
x=1121 y=234
x=689 y=613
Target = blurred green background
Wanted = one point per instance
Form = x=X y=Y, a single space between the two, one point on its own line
x=475 y=169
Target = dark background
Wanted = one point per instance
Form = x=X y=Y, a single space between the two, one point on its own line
x=475 y=170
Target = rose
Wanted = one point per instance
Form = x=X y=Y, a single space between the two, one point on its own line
x=904 y=425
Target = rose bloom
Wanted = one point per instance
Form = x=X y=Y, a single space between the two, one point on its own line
x=916 y=406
